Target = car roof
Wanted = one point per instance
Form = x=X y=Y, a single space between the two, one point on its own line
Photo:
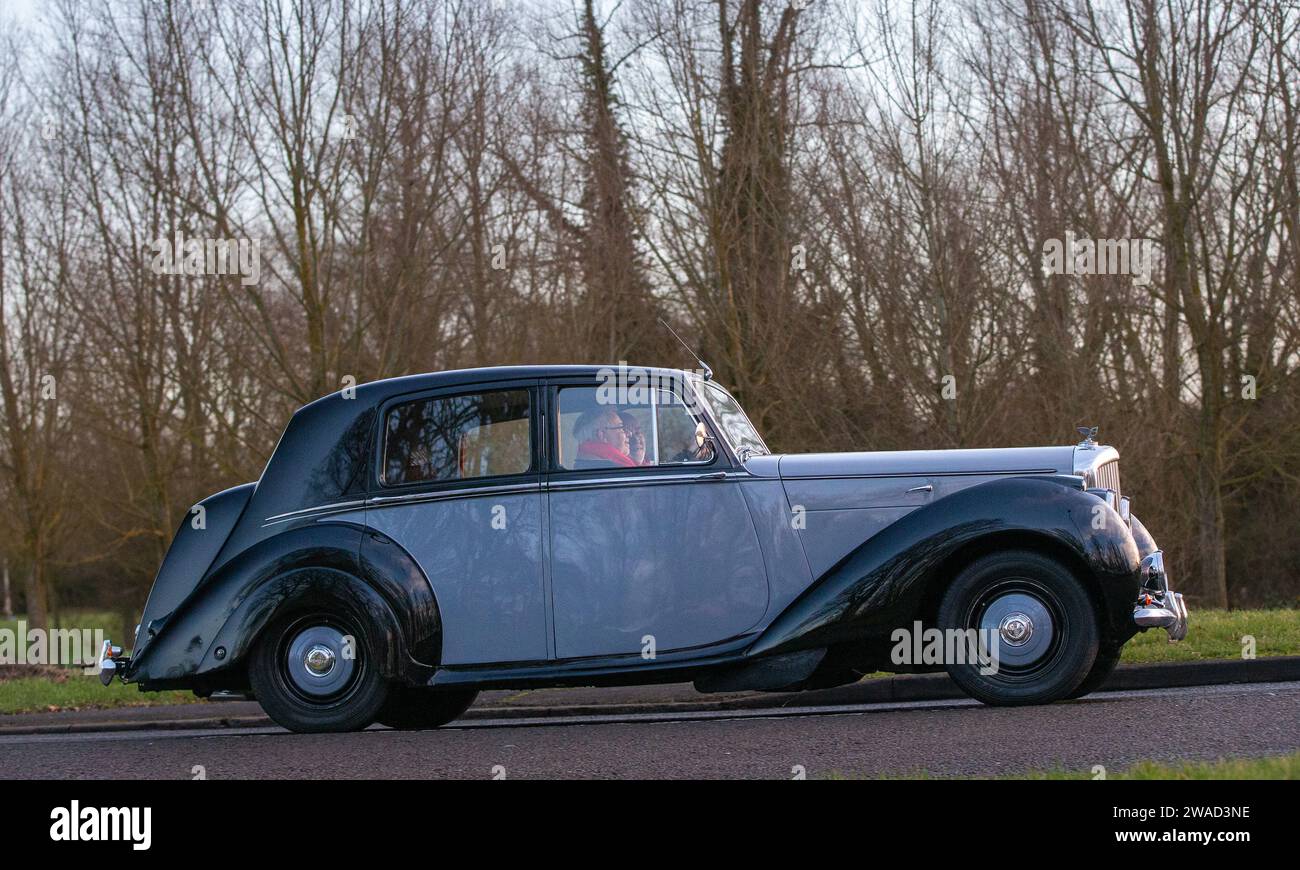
x=382 y=390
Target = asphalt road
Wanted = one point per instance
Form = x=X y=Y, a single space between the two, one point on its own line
x=942 y=738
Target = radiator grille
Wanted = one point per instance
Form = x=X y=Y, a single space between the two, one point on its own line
x=1107 y=477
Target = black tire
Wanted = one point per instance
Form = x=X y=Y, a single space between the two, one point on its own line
x=1107 y=659
x=411 y=708
x=347 y=699
x=1060 y=640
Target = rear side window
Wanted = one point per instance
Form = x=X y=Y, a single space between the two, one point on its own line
x=458 y=437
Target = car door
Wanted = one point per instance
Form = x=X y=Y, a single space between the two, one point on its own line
x=459 y=487
x=661 y=555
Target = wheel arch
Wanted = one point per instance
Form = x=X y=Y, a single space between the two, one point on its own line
x=1032 y=540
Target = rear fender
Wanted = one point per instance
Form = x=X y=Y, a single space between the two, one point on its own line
x=196 y=545
x=316 y=563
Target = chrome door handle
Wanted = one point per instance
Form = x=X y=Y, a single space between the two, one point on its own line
x=926 y=488
x=717 y=475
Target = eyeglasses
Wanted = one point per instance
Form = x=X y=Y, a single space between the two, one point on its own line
x=606 y=428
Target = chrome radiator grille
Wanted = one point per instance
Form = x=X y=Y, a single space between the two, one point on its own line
x=1107 y=477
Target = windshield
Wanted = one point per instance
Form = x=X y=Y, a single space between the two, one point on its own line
x=736 y=428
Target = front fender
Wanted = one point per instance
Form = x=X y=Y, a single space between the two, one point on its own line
x=882 y=584
x=207 y=640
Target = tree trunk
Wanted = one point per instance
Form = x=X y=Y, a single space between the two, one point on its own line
x=38 y=602
x=1210 y=524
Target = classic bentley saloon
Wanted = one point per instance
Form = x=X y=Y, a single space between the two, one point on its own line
x=415 y=540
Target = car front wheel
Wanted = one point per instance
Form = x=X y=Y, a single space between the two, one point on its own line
x=1107 y=658
x=315 y=671
x=1039 y=616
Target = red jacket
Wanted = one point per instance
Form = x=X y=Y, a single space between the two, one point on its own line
x=599 y=450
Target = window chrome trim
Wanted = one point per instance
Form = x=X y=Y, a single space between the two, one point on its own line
x=379 y=444
x=698 y=385
x=722 y=454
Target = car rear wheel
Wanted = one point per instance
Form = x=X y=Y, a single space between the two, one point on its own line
x=411 y=708
x=315 y=671
x=1040 y=618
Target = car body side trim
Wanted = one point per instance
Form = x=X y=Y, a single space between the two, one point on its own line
x=317 y=509
x=378 y=501
x=999 y=473
x=633 y=479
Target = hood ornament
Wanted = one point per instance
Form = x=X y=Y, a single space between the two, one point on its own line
x=1088 y=433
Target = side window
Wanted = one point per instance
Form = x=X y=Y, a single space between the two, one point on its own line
x=458 y=437
x=656 y=431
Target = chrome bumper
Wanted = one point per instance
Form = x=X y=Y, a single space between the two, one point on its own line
x=1158 y=606
x=111 y=662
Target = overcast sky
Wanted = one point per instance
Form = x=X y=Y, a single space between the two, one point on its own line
x=18 y=11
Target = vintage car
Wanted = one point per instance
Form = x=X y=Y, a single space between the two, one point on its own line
x=415 y=540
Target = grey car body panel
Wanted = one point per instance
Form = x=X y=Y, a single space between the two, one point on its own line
x=847 y=498
x=768 y=465
x=829 y=536
x=631 y=562
x=486 y=575
x=788 y=573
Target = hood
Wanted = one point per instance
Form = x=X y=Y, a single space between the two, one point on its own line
x=1002 y=460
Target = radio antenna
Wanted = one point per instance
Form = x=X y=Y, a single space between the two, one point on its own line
x=704 y=367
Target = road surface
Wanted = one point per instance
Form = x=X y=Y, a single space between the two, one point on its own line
x=940 y=738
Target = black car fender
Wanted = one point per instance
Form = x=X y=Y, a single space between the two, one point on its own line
x=211 y=634
x=884 y=582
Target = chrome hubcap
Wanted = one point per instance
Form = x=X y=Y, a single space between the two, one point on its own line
x=316 y=663
x=319 y=660
x=1023 y=626
x=1016 y=629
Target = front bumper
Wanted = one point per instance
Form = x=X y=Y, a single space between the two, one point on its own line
x=112 y=662
x=1158 y=606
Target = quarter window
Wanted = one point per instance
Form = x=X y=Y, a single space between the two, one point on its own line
x=458 y=437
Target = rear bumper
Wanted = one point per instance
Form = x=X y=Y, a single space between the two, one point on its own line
x=1158 y=606
x=112 y=662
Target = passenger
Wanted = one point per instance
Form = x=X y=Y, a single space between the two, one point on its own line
x=635 y=438
x=602 y=440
